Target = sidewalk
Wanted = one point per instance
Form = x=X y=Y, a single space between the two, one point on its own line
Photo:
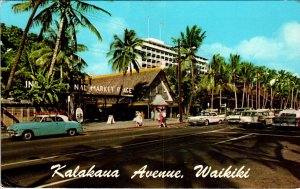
x=100 y=126
x=96 y=126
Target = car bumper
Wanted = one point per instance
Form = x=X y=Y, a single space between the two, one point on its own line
x=283 y=125
x=194 y=122
x=13 y=134
x=233 y=120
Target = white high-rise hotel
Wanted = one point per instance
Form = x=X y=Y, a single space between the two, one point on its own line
x=157 y=54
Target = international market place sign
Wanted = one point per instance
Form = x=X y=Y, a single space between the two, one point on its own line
x=94 y=89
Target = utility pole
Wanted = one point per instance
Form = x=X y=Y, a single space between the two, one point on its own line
x=179 y=82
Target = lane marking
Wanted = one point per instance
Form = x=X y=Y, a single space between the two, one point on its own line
x=278 y=135
x=237 y=138
x=57 y=182
x=115 y=147
x=50 y=157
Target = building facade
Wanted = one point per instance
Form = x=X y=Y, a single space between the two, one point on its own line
x=101 y=96
x=158 y=54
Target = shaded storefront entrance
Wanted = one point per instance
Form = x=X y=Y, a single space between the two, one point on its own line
x=121 y=95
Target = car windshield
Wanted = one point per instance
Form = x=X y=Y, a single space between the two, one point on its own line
x=36 y=119
x=203 y=114
x=288 y=115
x=248 y=113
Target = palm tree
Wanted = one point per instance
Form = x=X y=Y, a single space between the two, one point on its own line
x=245 y=75
x=124 y=53
x=224 y=80
x=191 y=42
x=45 y=91
x=234 y=64
x=216 y=65
x=71 y=14
x=21 y=7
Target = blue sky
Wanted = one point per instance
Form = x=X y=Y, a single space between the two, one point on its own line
x=263 y=32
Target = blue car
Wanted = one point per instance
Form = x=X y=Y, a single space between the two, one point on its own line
x=43 y=125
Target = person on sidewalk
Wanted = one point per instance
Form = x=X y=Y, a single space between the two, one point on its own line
x=164 y=113
x=161 y=119
x=138 y=119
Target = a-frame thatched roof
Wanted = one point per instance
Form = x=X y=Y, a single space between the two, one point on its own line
x=112 y=84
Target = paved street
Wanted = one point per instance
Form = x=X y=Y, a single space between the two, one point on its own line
x=267 y=158
x=100 y=126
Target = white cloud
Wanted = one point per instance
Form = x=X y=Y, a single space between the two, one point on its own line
x=281 y=51
x=215 y=48
x=260 y=48
x=290 y=34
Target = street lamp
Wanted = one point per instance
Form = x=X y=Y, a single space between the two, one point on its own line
x=272 y=82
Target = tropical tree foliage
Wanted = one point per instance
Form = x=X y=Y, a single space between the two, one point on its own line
x=124 y=53
x=72 y=15
x=191 y=42
x=45 y=91
x=20 y=7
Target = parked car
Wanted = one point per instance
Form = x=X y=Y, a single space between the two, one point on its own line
x=287 y=118
x=233 y=117
x=260 y=117
x=43 y=125
x=206 y=118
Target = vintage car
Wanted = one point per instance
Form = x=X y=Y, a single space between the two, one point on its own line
x=206 y=118
x=43 y=125
x=260 y=117
x=235 y=116
x=287 y=118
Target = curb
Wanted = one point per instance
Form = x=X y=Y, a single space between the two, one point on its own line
x=132 y=127
x=183 y=124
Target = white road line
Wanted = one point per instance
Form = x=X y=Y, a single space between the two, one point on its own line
x=51 y=157
x=27 y=161
x=237 y=138
x=100 y=149
x=58 y=182
x=278 y=135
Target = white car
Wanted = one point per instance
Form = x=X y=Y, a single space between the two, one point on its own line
x=206 y=118
x=260 y=117
x=287 y=118
x=43 y=125
x=235 y=116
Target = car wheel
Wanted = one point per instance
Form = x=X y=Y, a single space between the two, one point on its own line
x=72 y=132
x=27 y=135
x=220 y=121
x=206 y=122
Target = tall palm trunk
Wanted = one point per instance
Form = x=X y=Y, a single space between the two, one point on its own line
x=244 y=91
x=259 y=95
x=252 y=98
x=57 y=44
x=220 y=99
x=21 y=47
x=266 y=99
x=212 y=99
x=292 y=98
x=296 y=97
x=193 y=88
x=271 y=96
x=235 y=96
